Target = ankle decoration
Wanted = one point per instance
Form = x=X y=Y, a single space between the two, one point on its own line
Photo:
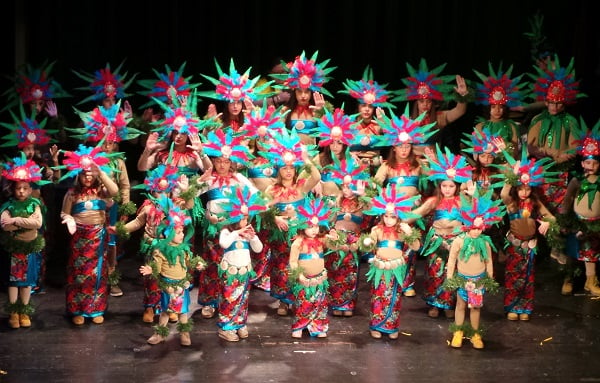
x=185 y=327
x=161 y=330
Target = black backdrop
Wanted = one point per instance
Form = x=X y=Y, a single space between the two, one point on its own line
x=85 y=35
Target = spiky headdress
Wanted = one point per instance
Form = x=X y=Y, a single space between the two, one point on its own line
x=368 y=91
x=175 y=218
x=336 y=126
x=480 y=142
x=529 y=171
x=223 y=143
x=498 y=88
x=403 y=129
x=392 y=200
x=242 y=202
x=26 y=131
x=480 y=212
x=235 y=87
x=348 y=171
x=105 y=124
x=286 y=149
x=423 y=83
x=82 y=158
x=305 y=73
x=162 y=179
x=262 y=122
x=33 y=84
x=22 y=169
x=448 y=166
x=169 y=86
x=182 y=118
x=105 y=83
x=587 y=140
x=314 y=211
x=556 y=83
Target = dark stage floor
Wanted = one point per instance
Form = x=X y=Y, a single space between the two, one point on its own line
x=561 y=343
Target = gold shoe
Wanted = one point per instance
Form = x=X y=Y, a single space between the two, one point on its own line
x=148 y=316
x=567 y=287
x=229 y=335
x=173 y=317
x=322 y=335
x=155 y=339
x=208 y=312
x=243 y=332
x=410 y=292
x=282 y=310
x=184 y=339
x=13 y=320
x=477 y=341
x=24 y=320
x=591 y=285
x=457 y=339
x=512 y=316
x=375 y=334
x=78 y=320
x=98 y=319
x=524 y=316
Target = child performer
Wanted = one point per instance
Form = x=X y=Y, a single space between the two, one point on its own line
x=307 y=268
x=393 y=239
x=449 y=171
x=583 y=199
x=172 y=260
x=238 y=239
x=470 y=269
x=343 y=265
x=21 y=218
x=527 y=214
x=84 y=212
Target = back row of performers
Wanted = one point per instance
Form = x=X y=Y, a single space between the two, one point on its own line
x=249 y=189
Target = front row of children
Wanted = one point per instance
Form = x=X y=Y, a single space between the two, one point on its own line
x=468 y=264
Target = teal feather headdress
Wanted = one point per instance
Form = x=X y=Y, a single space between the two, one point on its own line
x=305 y=73
x=336 y=126
x=392 y=200
x=109 y=124
x=241 y=202
x=22 y=169
x=425 y=84
x=235 y=87
x=448 y=166
x=26 y=131
x=480 y=212
x=498 y=88
x=105 y=83
x=170 y=86
x=403 y=130
x=368 y=91
x=286 y=149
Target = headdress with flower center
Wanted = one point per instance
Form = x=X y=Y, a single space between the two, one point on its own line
x=224 y=143
x=348 y=171
x=556 y=83
x=235 y=87
x=168 y=87
x=480 y=212
x=587 y=140
x=403 y=130
x=392 y=200
x=305 y=73
x=162 y=179
x=480 y=142
x=82 y=159
x=498 y=88
x=105 y=83
x=175 y=218
x=336 y=126
x=286 y=149
x=314 y=212
x=368 y=91
x=261 y=122
x=242 y=202
x=32 y=84
x=448 y=166
x=109 y=124
x=26 y=131
x=425 y=84
x=528 y=171
x=22 y=169
x=181 y=118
